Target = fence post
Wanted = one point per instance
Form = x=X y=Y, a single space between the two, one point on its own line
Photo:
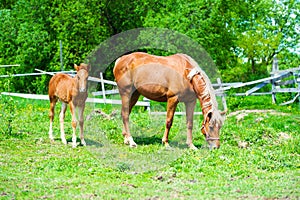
x=222 y=95
x=298 y=83
x=102 y=86
x=275 y=69
x=147 y=107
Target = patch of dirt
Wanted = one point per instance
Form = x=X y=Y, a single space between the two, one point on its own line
x=241 y=114
x=284 y=136
x=102 y=114
x=3 y=194
x=242 y=144
x=246 y=112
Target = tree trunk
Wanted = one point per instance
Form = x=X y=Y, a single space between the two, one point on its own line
x=253 y=65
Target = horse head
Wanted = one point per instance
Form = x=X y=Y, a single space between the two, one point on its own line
x=211 y=126
x=82 y=76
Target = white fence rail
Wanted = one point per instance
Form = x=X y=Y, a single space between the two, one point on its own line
x=276 y=80
x=4 y=66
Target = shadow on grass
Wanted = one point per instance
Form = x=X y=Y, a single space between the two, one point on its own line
x=156 y=140
x=89 y=142
x=147 y=140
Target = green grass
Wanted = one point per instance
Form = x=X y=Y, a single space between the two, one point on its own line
x=32 y=168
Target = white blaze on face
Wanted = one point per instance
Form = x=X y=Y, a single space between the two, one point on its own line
x=82 y=80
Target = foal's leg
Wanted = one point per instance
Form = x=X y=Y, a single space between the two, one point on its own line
x=74 y=124
x=128 y=101
x=81 y=121
x=171 y=107
x=190 y=106
x=51 y=116
x=61 y=120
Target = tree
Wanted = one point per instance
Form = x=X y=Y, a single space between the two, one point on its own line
x=30 y=32
x=203 y=20
x=241 y=36
x=269 y=30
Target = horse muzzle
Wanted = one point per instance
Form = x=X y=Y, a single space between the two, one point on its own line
x=82 y=89
x=214 y=144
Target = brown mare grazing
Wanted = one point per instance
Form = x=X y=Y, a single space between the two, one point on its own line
x=172 y=79
x=72 y=91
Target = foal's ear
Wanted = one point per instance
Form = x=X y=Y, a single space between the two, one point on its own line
x=76 y=67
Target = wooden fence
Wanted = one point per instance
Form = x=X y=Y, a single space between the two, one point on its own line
x=276 y=79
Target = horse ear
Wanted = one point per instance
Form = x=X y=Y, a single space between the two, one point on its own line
x=76 y=67
x=208 y=117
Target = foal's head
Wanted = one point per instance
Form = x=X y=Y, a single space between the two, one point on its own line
x=82 y=76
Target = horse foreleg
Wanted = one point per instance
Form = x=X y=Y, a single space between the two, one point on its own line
x=74 y=124
x=51 y=117
x=125 y=117
x=171 y=107
x=61 y=120
x=81 y=121
x=190 y=106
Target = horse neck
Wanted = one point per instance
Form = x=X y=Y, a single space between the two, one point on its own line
x=203 y=92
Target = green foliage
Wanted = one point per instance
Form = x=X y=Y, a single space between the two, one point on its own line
x=259 y=102
x=8 y=111
x=31 y=31
x=269 y=30
x=203 y=21
x=242 y=37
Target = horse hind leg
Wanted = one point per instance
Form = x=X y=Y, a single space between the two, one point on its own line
x=61 y=120
x=51 y=117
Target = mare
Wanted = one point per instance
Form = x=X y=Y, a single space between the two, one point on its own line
x=172 y=79
x=72 y=91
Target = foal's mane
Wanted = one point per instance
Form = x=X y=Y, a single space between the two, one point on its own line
x=216 y=116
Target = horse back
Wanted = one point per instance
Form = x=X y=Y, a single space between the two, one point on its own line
x=177 y=62
x=155 y=77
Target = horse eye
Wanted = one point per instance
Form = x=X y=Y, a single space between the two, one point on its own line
x=78 y=77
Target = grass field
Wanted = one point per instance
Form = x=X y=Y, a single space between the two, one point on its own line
x=259 y=156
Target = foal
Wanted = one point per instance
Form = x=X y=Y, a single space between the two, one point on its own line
x=72 y=91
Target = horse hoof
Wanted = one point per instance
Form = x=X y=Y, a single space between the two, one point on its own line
x=167 y=146
x=192 y=147
x=134 y=145
x=126 y=141
x=83 y=143
x=129 y=141
x=64 y=142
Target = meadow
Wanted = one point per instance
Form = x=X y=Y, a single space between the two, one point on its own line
x=259 y=156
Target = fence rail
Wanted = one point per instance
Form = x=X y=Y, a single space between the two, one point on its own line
x=275 y=79
x=4 y=66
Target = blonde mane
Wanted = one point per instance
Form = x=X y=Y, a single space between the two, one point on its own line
x=216 y=116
